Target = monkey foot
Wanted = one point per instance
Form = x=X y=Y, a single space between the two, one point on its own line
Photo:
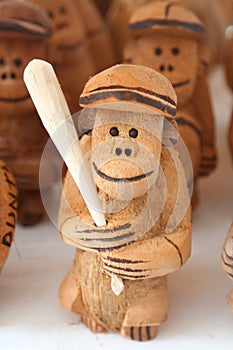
x=142 y=333
x=92 y=325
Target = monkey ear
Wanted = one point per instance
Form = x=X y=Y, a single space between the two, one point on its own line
x=170 y=133
x=204 y=54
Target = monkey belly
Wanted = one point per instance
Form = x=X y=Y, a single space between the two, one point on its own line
x=98 y=298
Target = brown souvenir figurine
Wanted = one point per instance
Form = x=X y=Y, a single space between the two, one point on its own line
x=169 y=39
x=227 y=262
x=97 y=35
x=229 y=76
x=8 y=210
x=118 y=280
x=24 y=30
x=74 y=60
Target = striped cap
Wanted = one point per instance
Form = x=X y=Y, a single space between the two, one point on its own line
x=23 y=19
x=134 y=84
x=168 y=17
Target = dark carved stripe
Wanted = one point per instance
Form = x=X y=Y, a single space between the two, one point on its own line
x=119 y=228
x=124 y=261
x=183 y=83
x=21 y=29
x=126 y=269
x=209 y=159
x=230 y=275
x=140 y=333
x=148 y=332
x=228 y=256
x=15 y=100
x=113 y=179
x=177 y=248
x=207 y=166
x=131 y=277
x=166 y=22
x=227 y=264
x=167 y=8
x=109 y=239
x=127 y=96
x=140 y=89
x=132 y=333
x=184 y=122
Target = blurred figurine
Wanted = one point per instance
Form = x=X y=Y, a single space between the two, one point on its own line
x=229 y=75
x=227 y=261
x=8 y=211
x=102 y=5
x=74 y=63
x=170 y=39
x=24 y=33
x=118 y=280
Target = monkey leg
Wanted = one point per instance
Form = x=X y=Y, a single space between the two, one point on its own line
x=70 y=295
x=143 y=317
x=31 y=209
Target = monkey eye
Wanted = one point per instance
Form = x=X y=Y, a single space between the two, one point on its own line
x=62 y=10
x=175 y=51
x=133 y=133
x=158 y=51
x=114 y=131
x=17 y=62
x=2 y=61
x=50 y=14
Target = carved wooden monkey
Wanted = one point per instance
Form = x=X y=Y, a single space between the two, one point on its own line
x=24 y=31
x=169 y=38
x=142 y=185
x=8 y=211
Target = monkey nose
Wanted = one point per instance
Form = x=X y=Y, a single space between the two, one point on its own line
x=128 y=152
x=118 y=151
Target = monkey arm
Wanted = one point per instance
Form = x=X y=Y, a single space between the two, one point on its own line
x=153 y=257
x=227 y=254
x=204 y=114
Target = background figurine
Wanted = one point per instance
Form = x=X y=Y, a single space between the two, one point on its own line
x=178 y=52
x=8 y=210
x=102 y=5
x=229 y=76
x=24 y=33
x=74 y=62
x=209 y=11
x=227 y=261
x=118 y=280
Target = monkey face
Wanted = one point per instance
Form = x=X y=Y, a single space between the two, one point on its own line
x=65 y=24
x=125 y=159
x=175 y=57
x=14 y=56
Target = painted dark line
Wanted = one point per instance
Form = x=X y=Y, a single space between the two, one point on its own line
x=131 y=277
x=166 y=22
x=228 y=256
x=125 y=269
x=19 y=27
x=15 y=100
x=230 y=274
x=184 y=122
x=140 y=89
x=132 y=333
x=227 y=264
x=113 y=179
x=177 y=248
x=127 y=96
x=148 y=332
x=124 y=261
x=112 y=230
x=108 y=239
x=168 y=7
x=183 y=83
x=140 y=333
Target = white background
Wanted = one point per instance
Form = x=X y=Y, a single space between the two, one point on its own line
x=30 y=314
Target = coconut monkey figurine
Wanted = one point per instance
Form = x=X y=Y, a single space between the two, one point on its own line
x=170 y=39
x=24 y=33
x=118 y=280
x=227 y=262
x=8 y=210
x=73 y=54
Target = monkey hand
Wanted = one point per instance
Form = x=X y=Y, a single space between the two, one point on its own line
x=154 y=257
x=208 y=161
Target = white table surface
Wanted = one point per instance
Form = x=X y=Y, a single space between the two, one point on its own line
x=199 y=318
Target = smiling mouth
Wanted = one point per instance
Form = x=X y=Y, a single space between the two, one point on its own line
x=183 y=83
x=124 y=179
x=19 y=99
